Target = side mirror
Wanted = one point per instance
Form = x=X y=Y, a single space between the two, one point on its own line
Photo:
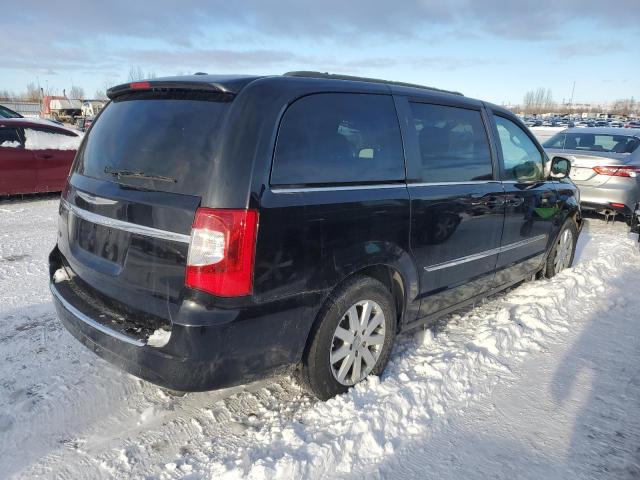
x=560 y=168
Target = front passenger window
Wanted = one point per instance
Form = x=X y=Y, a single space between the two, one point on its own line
x=523 y=162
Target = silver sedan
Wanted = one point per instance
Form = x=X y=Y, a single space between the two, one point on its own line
x=605 y=165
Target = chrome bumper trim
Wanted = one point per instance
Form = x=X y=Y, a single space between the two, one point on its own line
x=126 y=226
x=91 y=322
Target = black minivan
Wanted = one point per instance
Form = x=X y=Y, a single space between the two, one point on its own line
x=217 y=229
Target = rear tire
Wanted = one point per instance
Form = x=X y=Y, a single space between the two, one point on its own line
x=564 y=249
x=355 y=330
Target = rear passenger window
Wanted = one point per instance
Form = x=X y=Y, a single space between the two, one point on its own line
x=9 y=137
x=453 y=144
x=523 y=161
x=50 y=139
x=338 y=138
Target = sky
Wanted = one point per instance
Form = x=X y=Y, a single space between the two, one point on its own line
x=495 y=50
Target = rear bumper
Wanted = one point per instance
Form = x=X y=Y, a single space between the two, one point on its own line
x=196 y=358
x=146 y=362
x=597 y=198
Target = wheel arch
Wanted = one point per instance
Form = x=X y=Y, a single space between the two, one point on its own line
x=399 y=276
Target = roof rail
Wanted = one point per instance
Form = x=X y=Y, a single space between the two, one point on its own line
x=333 y=76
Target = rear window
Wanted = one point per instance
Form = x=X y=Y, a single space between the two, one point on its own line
x=338 y=138
x=593 y=142
x=165 y=142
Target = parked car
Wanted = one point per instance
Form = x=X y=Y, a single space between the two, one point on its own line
x=91 y=108
x=217 y=229
x=6 y=112
x=635 y=221
x=605 y=166
x=632 y=124
x=83 y=123
x=35 y=155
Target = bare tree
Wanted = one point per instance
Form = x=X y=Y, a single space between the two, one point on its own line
x=624 y=106
x=538 y=101
x=32 y=94
x=527 y=102
x=137 y=73
x=100 y=94
x=6 y=95
x=76 y=92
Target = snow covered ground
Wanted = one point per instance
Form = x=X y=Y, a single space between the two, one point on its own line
x=540 y=382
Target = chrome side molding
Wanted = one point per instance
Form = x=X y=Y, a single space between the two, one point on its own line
x=338 y=188
x=486 y=253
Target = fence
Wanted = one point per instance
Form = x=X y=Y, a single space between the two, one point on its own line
x=26 y=109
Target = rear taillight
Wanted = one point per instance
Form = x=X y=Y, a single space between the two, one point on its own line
x=618 y=171
x=221 y=251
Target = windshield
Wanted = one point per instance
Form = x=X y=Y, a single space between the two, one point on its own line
x=161 y=142
x=593 y=142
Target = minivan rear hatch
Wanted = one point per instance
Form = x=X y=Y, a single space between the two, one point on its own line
x=136 y=183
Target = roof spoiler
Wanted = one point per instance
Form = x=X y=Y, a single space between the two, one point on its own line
x=166 y=86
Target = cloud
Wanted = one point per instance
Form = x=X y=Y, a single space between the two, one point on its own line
x=351 y=36
x=568 y=50
x=181 y=23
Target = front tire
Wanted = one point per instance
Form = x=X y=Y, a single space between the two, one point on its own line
x=351 y=339
x=563 y=251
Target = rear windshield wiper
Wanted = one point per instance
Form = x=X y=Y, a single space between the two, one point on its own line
x=132 y=173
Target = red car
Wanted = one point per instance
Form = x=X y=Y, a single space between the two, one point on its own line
x=35 y=155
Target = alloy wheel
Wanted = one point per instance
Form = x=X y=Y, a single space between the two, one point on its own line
x=563 y=251
x=357 y=342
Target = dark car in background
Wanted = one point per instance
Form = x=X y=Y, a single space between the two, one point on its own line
x=605 y=166
x=217 y=229
x=35 y=155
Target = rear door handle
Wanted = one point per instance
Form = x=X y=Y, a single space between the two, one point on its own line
x=43 y=156
x=495 y=202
